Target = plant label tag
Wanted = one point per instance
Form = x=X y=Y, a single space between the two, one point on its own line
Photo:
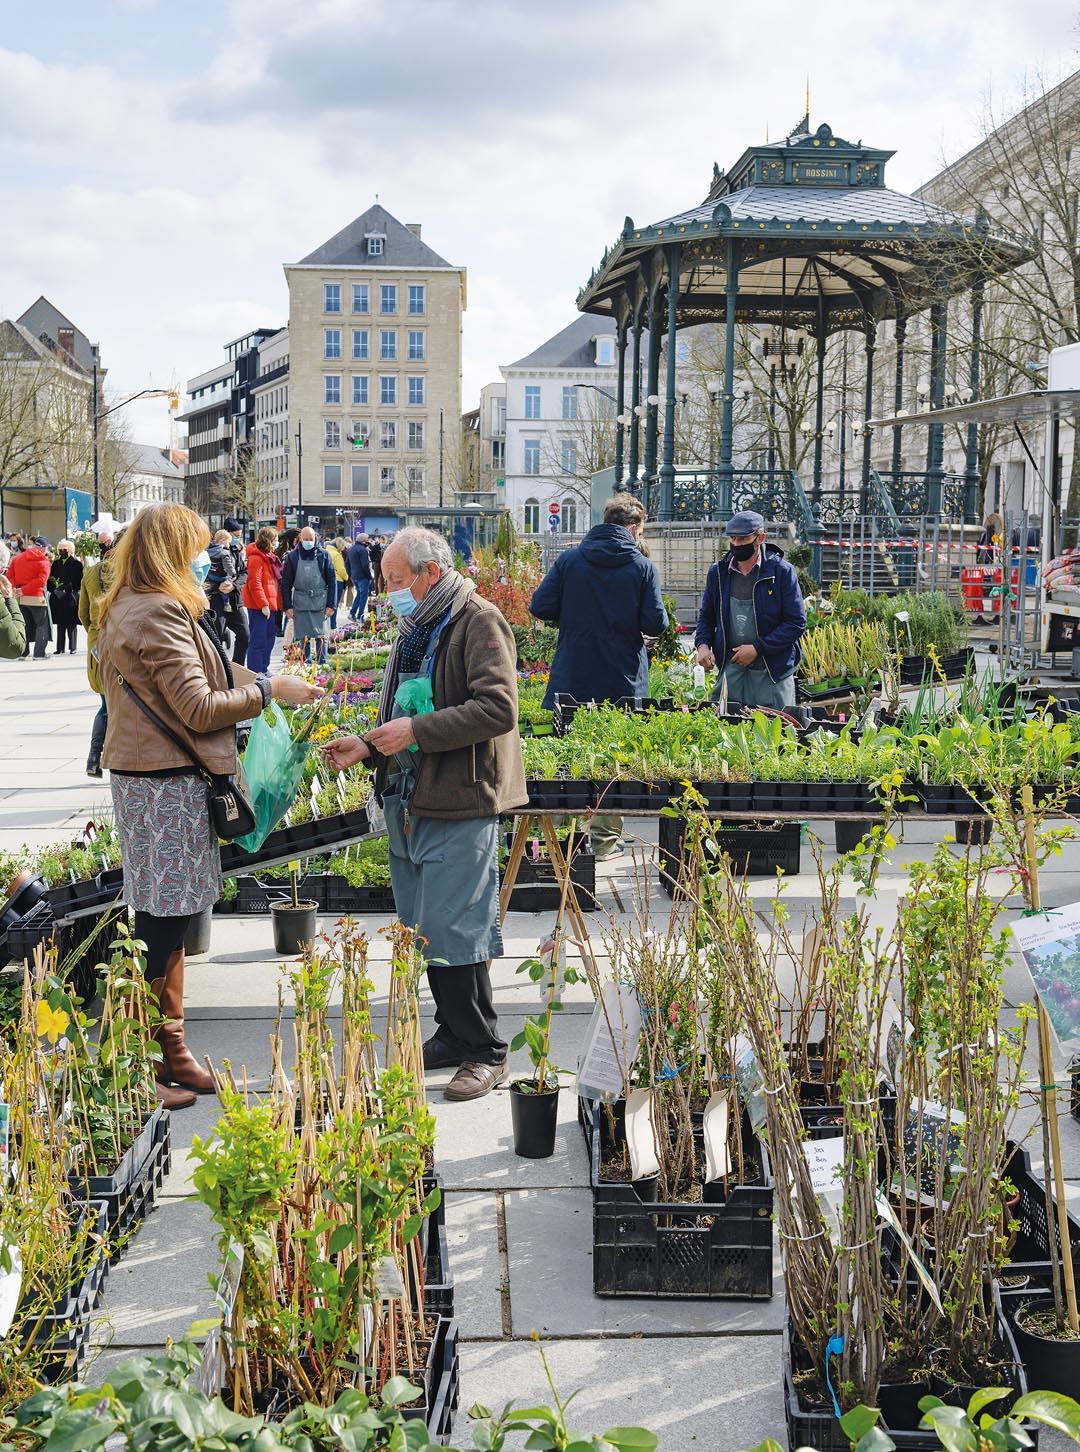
x=932 y=1145
x=388 y=1279
x=641 y=1135
x=10 y=1286
x=893 y=1034
x=825 y=1160
x=888 y=1214
x=715 y=1130
x=611 y=1044
x=376 y=818
x=339 y=782
x=5 y=1139
x=1050 y=943
x=751 y=1084
x=210 y=1372
x=228 y=1286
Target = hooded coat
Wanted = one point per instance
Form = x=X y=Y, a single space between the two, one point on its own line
x=604 y=596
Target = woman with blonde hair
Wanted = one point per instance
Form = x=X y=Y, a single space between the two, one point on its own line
x=174 y=700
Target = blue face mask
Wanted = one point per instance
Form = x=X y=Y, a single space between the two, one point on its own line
x=200 y=567
x=307 y=544
x=402 y=602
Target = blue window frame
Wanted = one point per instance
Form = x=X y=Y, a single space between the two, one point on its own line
x=532 y=400
x=331 y=297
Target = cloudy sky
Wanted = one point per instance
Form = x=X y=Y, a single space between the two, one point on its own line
x=159 y=162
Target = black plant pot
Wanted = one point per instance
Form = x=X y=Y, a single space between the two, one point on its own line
x=535 y=1117
x=294 y=927
x=850 y=834
x=974 y=831
x=899 y=1402
x=197 y=937
x=1051 y=1364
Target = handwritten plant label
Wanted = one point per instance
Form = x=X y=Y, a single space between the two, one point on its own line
x=825 y=1160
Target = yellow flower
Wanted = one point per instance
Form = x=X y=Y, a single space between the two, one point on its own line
x=51 y=1022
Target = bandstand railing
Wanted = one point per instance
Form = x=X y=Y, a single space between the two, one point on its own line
x=777 y=494
x=921 y=493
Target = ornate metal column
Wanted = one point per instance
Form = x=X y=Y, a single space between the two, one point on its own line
x=652 y=388
x=667 y=468
x=871 y=341
x=819 y=411
x=898 y=390
x=935 y=444
x=635 y=396
x=971 y=460
x=620 y=356
x=727 y=416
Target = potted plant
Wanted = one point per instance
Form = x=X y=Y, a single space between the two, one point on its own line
x=534 y=1100
x=294 y=921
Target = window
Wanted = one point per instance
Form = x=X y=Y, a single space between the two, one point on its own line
x=388 y=434
x=416 y=346
x=388 y=344
x=498 y=453
x=569 y=456
x=331 y=388
x=416 y=435
x=359 y=389
x=530 y=516
x=415 y=475
x=331 y=433
x=605 y=406
x=569 y=402
x=376 y=243
x=568 y=516
x=532 y=400
x=388 y=478
x=416 y=391
x=416 y=299
x=388 y=390
x=498 y=417
x=358 y=429
x=388 y=297
x=331 y=342
x=605 y=352
x=360 y=343
x=359 y=297
x=331 y=478
x=331 y=294
x=361 y=481
x=532 y=456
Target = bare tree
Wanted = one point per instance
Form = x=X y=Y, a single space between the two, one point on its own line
x=45 y=422
x=581 y=446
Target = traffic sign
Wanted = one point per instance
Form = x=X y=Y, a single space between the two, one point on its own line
x=553 y=507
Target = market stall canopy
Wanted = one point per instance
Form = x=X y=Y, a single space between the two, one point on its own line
x=1038 y=403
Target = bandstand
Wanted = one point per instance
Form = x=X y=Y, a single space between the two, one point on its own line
x=801 y=234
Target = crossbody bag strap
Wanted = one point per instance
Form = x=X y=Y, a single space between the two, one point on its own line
x=176 y=740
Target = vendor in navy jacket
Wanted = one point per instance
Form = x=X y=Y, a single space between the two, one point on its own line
x=751 y=619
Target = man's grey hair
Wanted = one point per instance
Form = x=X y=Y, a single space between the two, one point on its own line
x=423 y=547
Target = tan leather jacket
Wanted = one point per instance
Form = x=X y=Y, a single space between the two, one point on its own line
x=152 y=642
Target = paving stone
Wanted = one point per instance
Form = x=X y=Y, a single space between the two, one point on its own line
x=472 y=1236
x=697 y=1394
x=160 y=1286
x=549 y=1234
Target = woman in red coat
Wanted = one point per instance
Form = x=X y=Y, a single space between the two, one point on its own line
x=29 y=576
x=262 y=596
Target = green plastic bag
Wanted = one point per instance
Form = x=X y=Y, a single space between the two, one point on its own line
x=274 y=767
x=415 y=698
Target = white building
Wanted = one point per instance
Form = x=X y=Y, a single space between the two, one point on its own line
x=559 y=425
x=151 y=478
x=272 y=443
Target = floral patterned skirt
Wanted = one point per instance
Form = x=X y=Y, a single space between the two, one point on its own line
x=172 y=865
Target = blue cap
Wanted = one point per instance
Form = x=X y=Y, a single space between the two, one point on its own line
x=747 y=521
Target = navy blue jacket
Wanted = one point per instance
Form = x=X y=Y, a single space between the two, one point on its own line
x=778 y=606
x=604 y=596
x=358 y=563
x=288 y=575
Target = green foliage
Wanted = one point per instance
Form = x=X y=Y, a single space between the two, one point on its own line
x=667 y=644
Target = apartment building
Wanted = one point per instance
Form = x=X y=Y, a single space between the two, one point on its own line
x=375 y=319
x=271 y=442
x=208 y=416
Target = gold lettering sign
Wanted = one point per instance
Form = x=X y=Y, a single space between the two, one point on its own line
x=818 y=172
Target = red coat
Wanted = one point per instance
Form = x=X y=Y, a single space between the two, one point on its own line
x=263 y=586
x=29 y=572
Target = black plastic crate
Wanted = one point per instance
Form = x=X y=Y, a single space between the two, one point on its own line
x=441 y=1383
x=341 y=898
x=305 y=839
x=757 y=851
x=128 y=1194
x=560 y=794
x=700 y=1251
x=65 y=1331
x=1030 y=1253
x=915 y=669
x=535 y=888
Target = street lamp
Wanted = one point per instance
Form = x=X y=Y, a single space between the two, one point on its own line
x=174 y=403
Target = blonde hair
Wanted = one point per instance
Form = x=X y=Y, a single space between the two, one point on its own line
x=222 y=537
x=154 y=556
x=266 y=538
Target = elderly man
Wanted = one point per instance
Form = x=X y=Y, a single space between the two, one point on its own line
x=309 y=592
x=447 y=762
x=751 y=619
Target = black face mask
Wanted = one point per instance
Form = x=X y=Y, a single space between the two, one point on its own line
x=744 y=551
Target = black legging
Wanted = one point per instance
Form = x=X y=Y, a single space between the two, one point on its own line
x=163 y=937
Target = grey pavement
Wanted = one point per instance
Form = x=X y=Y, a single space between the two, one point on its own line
x=704 y=1375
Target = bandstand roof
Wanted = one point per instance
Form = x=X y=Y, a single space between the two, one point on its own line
x=822 y=243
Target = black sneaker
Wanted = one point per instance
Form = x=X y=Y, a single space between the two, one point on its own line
x=438 y=1054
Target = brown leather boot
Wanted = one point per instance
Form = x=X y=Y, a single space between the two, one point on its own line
x=174 y=1098
x=178 y=1064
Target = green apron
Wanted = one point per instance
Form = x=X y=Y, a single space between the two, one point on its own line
x=751 y=685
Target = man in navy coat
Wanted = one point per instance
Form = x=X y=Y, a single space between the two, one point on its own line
x=605 y=598
x=751 y=619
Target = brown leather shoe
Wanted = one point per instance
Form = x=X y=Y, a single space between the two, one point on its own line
x=473 y=1081
x=174 y=1098
x=178 y=1064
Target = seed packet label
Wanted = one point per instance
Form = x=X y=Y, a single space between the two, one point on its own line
x=388 y=1279
x=714 y=1126
x=751 y=1084
x=931 y=1142
x=1050 y=943
x=888 y=1214
x=641 y=1135
x=228 y=1286
x=10 y=1287
x=894 y=1033
x=611 y=1044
